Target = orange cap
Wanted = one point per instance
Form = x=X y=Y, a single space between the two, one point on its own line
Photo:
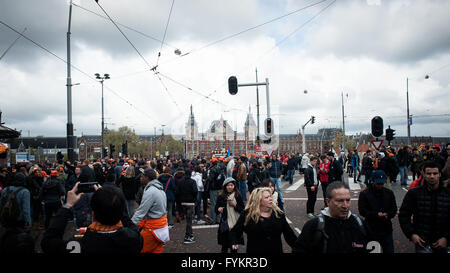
x=213 y=159
x=221 y=158
x=53 y=173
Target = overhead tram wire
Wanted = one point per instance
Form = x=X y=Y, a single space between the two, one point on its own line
x=125 y=26
x=151 y=68
x=247 y=30
x=165 y=32
x=76 y=68
x=283 y=40
x=139 y=53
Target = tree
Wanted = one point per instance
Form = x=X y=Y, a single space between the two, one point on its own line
x=138 y=148
x=350 y=145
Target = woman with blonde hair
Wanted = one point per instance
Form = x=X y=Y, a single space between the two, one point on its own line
x=263 y=222
x=130 y=186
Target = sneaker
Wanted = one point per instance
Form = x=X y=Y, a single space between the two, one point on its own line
x=170 y=226
x=310 y=215
x=200 y=222
x=194 y=221
x=189 y=240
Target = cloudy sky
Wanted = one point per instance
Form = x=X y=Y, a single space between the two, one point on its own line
x=362 y=49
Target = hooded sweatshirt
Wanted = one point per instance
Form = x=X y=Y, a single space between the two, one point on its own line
x=153 y=204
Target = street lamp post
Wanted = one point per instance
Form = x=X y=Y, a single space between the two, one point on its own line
x=102 y=79
x=407 y=112
x=343 y=124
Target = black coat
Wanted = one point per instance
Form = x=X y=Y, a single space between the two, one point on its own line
x=126 y=240
x=224 y=238
x=430 y=211
x=309 y=177
x=16 y=241
x=264 y=236
x=370 y=203
x=345 y=237
x=186 y=191
x=335 y=173
x=130 y=187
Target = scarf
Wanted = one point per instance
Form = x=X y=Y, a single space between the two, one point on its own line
x=97 y=226
x=232 y=214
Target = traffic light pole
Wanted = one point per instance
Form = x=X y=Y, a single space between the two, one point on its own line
x=303 y=136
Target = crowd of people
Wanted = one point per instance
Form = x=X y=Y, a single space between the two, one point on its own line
x=134 y=203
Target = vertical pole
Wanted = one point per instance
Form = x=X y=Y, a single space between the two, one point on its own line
x=303 y=140
x=103 y=124
x=70 y=137
x=407 y=112
x=257 y=106
x=343 y=124
x=267 y=98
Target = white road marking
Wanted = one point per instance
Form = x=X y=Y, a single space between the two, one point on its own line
x=205 y=226
x=296 y=185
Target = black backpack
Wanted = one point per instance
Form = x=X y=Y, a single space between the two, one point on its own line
x=9 y=207
x=320 y=230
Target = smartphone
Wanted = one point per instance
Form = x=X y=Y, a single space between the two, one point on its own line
x=86 y=187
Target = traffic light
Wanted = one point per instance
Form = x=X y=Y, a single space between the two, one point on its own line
x=377 y=126
x=125 y=148
x=232 y=85
x=390 y=134
x=313 y=118
x=268 y=124
x=112 y=149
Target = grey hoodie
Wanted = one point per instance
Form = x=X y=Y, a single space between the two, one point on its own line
x=326 y=212
x=153 y=204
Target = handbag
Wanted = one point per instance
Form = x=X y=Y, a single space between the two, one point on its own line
x=223 y=225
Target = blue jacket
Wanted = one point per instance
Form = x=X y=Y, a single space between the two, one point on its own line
x=170 y=193
x=275 y=170
x=23 y=198
x=52 y=191
x=355 y=160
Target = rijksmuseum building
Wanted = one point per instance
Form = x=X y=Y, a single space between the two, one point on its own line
x=220 y=138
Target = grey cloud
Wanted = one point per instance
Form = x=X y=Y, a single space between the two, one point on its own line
x=395 y=31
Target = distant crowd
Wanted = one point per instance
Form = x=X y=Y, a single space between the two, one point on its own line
x=140 y=200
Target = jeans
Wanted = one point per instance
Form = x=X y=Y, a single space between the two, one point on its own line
x=50 y=208
x=403 y=175
x=212 y=211
x=242 y=187
x=170 y=204
x=277 y=182
x=387 y=243
x=367 y=174
x=198 y=205
x=290 y=176
x=324 y=191
x=357 y=170
x=188 y=210
x=130 y=207
x=312 y=197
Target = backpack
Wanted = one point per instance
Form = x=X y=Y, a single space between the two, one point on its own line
x=9 y=207
x=220 y=177
x=320 y=231
x=236 y=170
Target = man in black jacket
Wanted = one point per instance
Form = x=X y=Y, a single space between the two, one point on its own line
x=429 y=206
x=336 y=230
x=378 y=206
x=186 y=193
x=335 y=173
x=112 y=231
x=312 y=186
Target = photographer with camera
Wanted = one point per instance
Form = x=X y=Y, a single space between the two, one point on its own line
x=111 y=232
